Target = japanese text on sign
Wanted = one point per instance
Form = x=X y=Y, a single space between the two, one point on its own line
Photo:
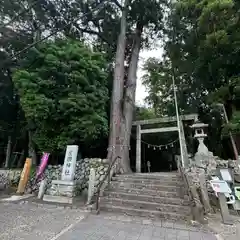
x=68 y=165
x=67 y=172
x=69 y=158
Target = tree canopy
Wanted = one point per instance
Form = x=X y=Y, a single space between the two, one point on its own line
x=33 y=75
x=201 y=50
x=48 y=81
x=63 y=93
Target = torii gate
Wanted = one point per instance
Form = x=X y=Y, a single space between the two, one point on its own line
x=140 y=131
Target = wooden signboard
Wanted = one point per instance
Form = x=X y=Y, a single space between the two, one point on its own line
x=24 y=176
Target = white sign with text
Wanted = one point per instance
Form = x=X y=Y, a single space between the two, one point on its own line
x=220 y=186
x=70 y=163
x=226 y=176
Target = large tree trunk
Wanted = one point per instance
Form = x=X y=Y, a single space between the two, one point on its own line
x=8 y=152
x=21 y=159
x=114 y=145
x=129 y=99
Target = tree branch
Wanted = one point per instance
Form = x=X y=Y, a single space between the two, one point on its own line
x=118 y=4
x=85 y=30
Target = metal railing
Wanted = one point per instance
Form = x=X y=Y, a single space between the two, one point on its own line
x=108 y=176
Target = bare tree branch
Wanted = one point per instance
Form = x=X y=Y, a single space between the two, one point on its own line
x=118 y=4
x=85 y=30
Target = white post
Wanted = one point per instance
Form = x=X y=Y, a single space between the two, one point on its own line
x=149 y=166
x=138 y=150
x=91 y=185
x=178 y=122
x=42 y=189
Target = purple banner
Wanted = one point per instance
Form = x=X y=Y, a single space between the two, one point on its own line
x=43 y=164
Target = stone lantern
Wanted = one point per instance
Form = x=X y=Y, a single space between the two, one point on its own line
x=203 y=153
x=200 y=136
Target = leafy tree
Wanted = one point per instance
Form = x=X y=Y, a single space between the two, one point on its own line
x=202 y=51
x=23 y=22
x=158 y=82
x=63 y=92
x=142 y=113
x=144 y=22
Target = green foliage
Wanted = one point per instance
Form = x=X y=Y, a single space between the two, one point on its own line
x=32 y=20
x=234 y=124
x=207 y=48
x=202 y=43
x=63 y=92
x=158 y=83
x=144 y=113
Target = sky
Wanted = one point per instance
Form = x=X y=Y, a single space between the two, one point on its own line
x=141 y=92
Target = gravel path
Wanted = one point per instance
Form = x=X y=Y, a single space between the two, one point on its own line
x=34 y=222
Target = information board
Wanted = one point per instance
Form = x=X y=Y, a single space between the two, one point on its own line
x=220 y=186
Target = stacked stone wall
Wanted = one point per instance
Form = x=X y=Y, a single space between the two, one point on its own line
x=53 y=172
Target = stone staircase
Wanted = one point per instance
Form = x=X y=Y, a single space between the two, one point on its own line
x=159 y=195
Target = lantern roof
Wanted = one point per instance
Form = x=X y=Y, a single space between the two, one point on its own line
x=199 y=125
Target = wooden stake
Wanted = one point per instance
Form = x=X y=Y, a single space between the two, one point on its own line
x=24 y=176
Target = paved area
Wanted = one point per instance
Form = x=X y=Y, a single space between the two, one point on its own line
x=46 y=222
x=104 y=227
x=229 y=232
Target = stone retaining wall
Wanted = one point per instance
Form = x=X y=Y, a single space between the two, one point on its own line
x=53 y=172
x=210 y=169
x=81 y=174
x=9 y=177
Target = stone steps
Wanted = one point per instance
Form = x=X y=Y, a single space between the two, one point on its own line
x=157 y=195
x=144 y=213
x=169 y=193
x=152 y=206
x=150 y=177
x=148 y=198
x=166 y=182
x=144 y=186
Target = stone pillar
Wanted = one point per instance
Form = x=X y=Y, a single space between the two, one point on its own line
x=42 y=188
x=138 y=150
x=69 y=166
x=204 y=192
x=62 y=191
x=91 y=185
